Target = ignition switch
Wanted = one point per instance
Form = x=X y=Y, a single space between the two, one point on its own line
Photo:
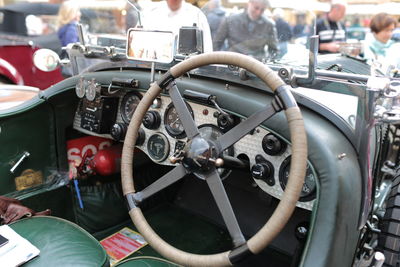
x=263 y=170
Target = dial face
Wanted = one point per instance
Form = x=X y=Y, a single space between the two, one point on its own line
x=173 y=124
x=209 y=131
x=158 y=147
x=91 y=91
x=128 y=106
x=310 y=183
x=80 y=88
x=213 y=132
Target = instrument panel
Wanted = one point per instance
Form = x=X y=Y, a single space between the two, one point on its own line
x=162 y=134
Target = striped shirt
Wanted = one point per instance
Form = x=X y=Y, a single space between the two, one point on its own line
x=330 y=31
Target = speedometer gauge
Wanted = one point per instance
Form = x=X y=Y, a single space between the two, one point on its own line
x=310 y=183
x=128 y=106
x=172 y=123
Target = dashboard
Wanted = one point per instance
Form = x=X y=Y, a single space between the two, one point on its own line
x=106 y=112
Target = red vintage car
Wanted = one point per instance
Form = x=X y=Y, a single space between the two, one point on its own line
x=18 y=44
x=16 y=69
x=25 y=27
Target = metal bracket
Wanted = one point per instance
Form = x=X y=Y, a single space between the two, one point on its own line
x=312 y=64
x=25 y=155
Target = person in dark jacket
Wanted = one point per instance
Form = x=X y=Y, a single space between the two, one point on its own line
x=249 y=32
x=284 y=31
x=215 y=14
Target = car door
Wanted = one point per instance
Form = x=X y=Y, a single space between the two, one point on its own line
x=28 y=151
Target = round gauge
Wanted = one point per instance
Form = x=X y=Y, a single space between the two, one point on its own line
x=91 y=91
x=158 y=147
x=128 y=106
x=210 y=131
x=213 y=132
x=310 y=183
x=172 y=123
x=80 y=88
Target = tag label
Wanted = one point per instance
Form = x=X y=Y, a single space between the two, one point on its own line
x=122 y=244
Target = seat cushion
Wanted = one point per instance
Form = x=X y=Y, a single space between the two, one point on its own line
x=146 y=262
x=61 y=243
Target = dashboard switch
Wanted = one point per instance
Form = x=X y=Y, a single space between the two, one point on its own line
x=118 y=131
x=140 y=138
x=152 y=120
x=272 y=145
x=226 y=121
x=264 y=171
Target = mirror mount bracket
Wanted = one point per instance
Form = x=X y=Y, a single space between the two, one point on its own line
x=312 y=64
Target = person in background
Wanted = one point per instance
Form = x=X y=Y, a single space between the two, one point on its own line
x=215 y=14
x=68 y=17
x=249 y=32
x=396 y=32
x=331 y=30
x=300 y=29
x=356 y=22
x=171 y=15
x=283 y=29
x=377 y=44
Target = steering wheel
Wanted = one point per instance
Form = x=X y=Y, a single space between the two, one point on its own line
x=201 y=157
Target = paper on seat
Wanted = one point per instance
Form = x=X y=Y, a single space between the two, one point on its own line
x=17 y=251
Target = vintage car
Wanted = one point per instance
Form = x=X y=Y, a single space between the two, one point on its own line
x=218 y=159
x=20 y=40
x=25 y=27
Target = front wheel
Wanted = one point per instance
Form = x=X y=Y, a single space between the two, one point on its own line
x=5 y=80
x=389 y=238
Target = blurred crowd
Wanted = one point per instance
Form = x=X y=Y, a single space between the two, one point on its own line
x=265 y=32
x=259 y=30
x=376 y=42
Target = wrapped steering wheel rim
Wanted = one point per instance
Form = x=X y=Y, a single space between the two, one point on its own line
x=297 y=169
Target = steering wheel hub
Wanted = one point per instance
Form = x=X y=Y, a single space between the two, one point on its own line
x=200 y=155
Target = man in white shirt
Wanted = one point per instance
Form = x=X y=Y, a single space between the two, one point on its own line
x=171 y=15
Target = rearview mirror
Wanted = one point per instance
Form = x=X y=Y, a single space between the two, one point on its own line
x=153 y=46
x=46 y=60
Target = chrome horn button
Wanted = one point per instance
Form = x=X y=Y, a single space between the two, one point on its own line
x=200 y=156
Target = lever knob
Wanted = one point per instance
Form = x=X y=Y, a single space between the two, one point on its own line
x=152 y=120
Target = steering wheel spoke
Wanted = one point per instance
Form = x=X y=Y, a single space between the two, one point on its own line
x=243 y=128
x=168 y=179
x=183 y=112
x=221 y=198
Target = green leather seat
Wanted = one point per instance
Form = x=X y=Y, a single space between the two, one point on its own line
x=146 y=262
x=61 y=243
